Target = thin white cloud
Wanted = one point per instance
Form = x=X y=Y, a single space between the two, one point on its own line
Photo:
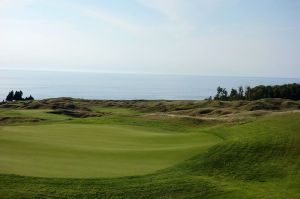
x=177 y=26
x=177 y=10
x=169 y=8
x=182 y=14
x=111 y=19
x=13 y=3
x=4 y=3
x=169 y=29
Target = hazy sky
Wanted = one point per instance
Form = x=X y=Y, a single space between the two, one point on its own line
x=207 y=37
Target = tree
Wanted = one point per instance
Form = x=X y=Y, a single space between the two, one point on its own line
x=241 y=93
x=248 y=93
x=29 y=98
x=234 y=95
x=286 y=91
x=222 y=94
x=218 y=95
x=10 y=96
x=18 y=96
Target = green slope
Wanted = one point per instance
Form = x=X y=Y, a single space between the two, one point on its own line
x=259 y=159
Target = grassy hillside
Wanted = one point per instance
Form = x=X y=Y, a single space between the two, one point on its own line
x=133 y=152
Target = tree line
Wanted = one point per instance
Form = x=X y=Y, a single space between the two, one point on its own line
x=17 y=96
x=286 y=91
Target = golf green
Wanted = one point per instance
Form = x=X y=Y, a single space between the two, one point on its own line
x=93 y=151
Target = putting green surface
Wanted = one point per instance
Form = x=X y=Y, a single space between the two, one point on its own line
x=93 y=151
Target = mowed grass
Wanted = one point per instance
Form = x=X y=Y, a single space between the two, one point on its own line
x=93 y=151
x=129 y=155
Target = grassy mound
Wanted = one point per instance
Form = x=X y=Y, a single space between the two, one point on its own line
x=131 y=154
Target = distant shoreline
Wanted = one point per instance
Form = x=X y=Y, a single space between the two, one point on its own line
x=112 y=86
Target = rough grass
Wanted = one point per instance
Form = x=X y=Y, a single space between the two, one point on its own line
x=259 y=158
x=76 y=113
x=156 y=105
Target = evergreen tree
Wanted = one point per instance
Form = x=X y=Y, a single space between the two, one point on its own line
x=18 y=96
x=248 y=93
x=234 y=95
x=241 y=93
x=286 y=91
x=10 y=96
x=29 y=98
x=222 y=94
x=219 y=92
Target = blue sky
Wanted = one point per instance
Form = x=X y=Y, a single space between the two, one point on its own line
x=206 y=37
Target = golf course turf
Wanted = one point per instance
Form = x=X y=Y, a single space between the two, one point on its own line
x=93 y=151
x=128 y=153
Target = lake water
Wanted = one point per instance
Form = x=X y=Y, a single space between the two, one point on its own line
x=122 y=86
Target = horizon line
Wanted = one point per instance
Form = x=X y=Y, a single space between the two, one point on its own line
x=142 y=73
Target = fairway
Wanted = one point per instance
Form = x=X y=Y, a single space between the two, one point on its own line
x=108 y=150
x=93 y=151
